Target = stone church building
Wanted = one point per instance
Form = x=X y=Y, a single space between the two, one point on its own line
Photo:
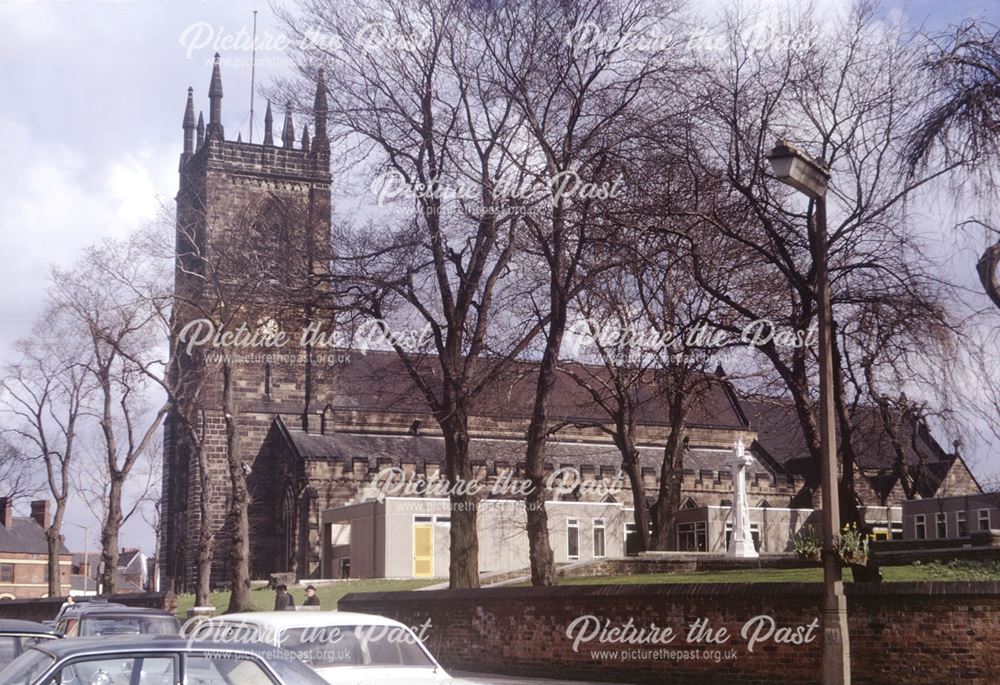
x=313 y=430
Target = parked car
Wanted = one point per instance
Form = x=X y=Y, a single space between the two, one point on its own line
x=68 y=609
x=114 y=619
x=155 y=660
x=343 y=647
x=17 y=636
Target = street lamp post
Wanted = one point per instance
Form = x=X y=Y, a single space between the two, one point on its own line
x=810 y=177
x=86 y=553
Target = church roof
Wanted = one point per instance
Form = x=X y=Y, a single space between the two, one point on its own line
x=429 y=449
x=379 y=381
x=780 y=435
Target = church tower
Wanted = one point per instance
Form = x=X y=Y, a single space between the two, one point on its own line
x=253 y=245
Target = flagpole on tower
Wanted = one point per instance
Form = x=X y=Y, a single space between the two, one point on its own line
x=253 y=69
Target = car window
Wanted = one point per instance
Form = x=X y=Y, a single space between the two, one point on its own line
x=227 y=631
x=12 y=646
x=294 y=672
x=117 y=670
x=26 y=668
x=10 y=649
x=324 y=648
x=224 y=669
x=355 y=646
x=91 y=626
x=394 y=648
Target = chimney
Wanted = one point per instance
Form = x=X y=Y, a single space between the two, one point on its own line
x=40 y=513
x=6 y=512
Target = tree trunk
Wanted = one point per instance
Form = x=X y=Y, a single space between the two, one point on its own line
x=109 y=535
x=668 y=500
x=463 y=564
x=205 y=539
x=543 y=567
x=849 y=511
x=52 y=539
x=239 y=598
x=633 y=470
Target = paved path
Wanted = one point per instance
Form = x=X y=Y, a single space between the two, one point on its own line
x=487 y=679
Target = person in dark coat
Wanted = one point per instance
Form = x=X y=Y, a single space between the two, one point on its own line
x=283 y=601
x=311 y=599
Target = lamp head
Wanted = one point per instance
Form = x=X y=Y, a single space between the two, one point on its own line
x=795 y=168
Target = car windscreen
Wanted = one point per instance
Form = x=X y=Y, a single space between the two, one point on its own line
x=26 y=668
x=12 y=646
x=128 y=625
x=358 y=645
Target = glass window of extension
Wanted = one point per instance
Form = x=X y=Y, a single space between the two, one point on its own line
x=573 y=538
x=692 y=537
x=599 y=538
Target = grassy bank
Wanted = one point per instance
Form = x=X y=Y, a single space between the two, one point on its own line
x=951 y=571
x=329 y=594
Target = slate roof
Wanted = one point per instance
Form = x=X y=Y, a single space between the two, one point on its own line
x=780 y=435
x=25 y=536
x=126 y=557
x=379 y=381
x=429 y=449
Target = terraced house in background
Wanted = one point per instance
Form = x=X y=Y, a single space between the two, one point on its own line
x=24 y=553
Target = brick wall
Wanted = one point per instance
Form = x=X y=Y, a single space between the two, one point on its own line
x=30 y=579
x=914 y=633
x=46 y=609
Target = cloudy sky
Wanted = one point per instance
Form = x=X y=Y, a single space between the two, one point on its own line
x=91 y=99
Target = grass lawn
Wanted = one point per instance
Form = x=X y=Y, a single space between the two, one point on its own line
x=952 y=571
x=328 y=593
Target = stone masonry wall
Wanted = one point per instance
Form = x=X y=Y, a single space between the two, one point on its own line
x=914 y=633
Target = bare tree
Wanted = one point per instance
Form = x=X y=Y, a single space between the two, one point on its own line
x=433 y=123
x=579 y=103
x=853 y=95
x=18 y=476
x=45 y=392
x=639 y=323
x=120 y=329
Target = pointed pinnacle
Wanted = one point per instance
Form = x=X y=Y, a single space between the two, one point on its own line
x=189 y=110
x=268 y=125
x=319 y=104
x=288 y=133
x=215 y=87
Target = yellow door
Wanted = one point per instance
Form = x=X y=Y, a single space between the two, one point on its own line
x=423 y=550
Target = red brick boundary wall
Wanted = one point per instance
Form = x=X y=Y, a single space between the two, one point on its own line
x=913 y=633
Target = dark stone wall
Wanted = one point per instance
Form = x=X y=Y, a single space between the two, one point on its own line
x=234 y=200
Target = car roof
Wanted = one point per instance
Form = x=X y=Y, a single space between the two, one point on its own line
x=10 y=625
x=308 y=619
x=79 y=606
x=122 y=610
x=152 y=643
